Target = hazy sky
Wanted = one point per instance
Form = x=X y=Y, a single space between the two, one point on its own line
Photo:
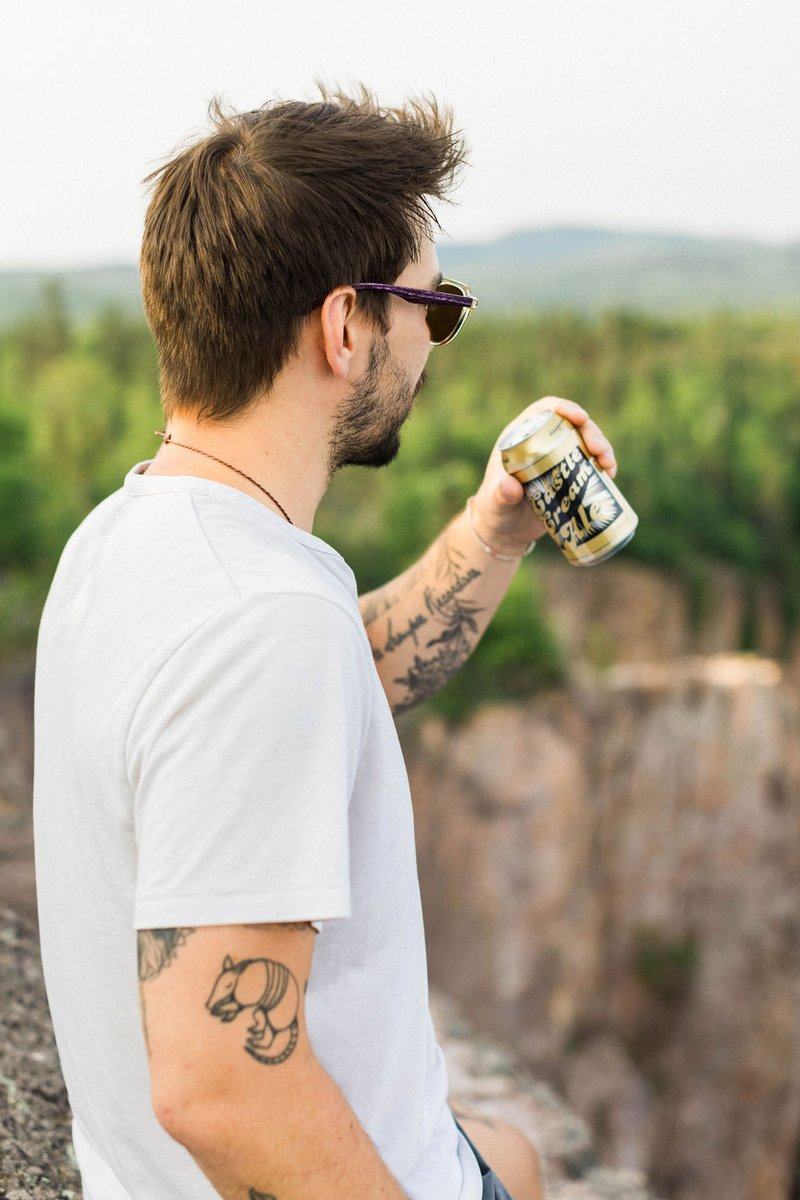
x=676 y=114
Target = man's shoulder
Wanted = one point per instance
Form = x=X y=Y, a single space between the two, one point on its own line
x=168 y=582
x=263 y=555
x=195 y=550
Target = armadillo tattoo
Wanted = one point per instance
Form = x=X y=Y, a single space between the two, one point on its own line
x=270 y=989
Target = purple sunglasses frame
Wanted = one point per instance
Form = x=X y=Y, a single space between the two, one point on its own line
x=420 y=296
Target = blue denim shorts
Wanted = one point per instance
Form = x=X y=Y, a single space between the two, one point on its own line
x=493 y=1189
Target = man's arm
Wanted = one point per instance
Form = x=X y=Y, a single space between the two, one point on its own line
x=425 y=623
x=233 y=1075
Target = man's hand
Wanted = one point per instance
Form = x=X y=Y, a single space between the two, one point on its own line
x=424 y=625
x=503 y=517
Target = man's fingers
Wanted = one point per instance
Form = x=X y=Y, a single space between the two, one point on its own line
x=599 y=447
x=565 y=408
x=593 y=437
x=597 y=444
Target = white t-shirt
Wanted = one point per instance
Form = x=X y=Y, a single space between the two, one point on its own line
x=214 y=746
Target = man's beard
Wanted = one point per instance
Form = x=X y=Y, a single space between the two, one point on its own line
x=367 y=428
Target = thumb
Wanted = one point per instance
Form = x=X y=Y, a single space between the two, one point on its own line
x=509 y=492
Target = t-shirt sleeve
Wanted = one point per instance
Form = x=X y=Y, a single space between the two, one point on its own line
x=242 y=757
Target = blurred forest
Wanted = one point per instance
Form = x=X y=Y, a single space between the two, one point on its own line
x=702 y=412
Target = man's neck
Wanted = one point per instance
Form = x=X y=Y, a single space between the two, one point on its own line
x=285 y=458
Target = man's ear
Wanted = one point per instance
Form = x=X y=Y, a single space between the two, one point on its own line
x=340 y=330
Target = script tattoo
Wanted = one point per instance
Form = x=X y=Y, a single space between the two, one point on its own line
x=270 y=990
x=396 y=639
x=456 y=620
x=157 y=949
x=376 y=604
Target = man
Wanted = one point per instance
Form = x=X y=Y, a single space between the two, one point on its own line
x=217 y=765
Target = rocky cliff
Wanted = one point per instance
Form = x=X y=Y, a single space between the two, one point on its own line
x=625 y=612
x=610 y=879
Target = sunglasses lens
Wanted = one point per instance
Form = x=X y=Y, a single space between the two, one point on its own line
x=445 y=319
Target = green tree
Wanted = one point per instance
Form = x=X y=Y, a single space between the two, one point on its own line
x=45 y=335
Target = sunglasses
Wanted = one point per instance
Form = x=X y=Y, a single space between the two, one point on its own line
x=446 y=309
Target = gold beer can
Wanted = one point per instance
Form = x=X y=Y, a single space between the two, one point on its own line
x=584 y=512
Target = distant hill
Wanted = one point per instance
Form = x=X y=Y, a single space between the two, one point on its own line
x=87 y=290
x=593 y=269
x=562 y=267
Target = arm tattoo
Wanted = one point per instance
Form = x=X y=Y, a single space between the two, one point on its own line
x=395 y=638
x=270 y=989
x=375 y=607
x=254 y=1194
x=157 y=949
x=456 y=619
x=377 y=603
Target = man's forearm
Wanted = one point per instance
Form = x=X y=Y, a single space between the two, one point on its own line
x=425 y=624
x=313 y=1149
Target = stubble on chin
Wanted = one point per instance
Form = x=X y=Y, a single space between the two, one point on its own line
x=367 y=428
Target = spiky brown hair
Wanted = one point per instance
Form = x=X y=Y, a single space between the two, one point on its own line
x=253 y=224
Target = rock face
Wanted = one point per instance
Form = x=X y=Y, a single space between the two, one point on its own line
x=630 y=613
x=611 y=883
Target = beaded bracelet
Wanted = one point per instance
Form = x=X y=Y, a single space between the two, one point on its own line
x=490 y=549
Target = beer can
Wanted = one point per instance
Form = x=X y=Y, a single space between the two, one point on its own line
x=584 y=512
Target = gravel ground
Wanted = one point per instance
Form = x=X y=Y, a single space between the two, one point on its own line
x=36 y=1160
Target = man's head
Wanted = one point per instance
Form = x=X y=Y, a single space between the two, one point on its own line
x=251 y=227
